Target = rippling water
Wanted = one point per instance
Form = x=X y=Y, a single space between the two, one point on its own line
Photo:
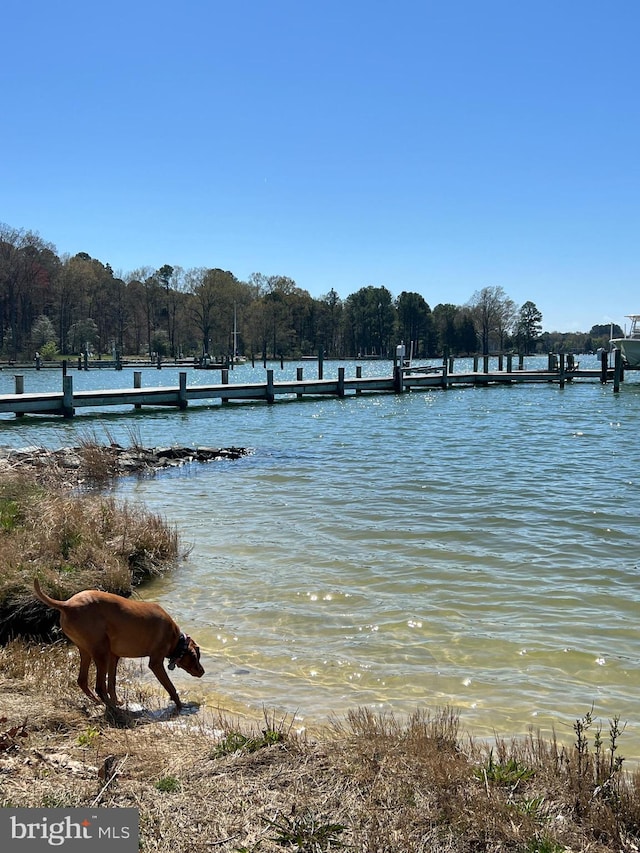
x=474 y=547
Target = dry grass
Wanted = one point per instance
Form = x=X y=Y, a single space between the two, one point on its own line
x=368 y=783
x=71 y=541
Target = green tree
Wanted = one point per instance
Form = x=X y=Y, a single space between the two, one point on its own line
x=82 y=336
x=213 y=294
x=330 y=323
x=370 y=318
x=466 y=338
x=415 y=324
x=444 y=322
x=528 y=327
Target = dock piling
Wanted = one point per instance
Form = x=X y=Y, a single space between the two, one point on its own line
x=604 y=362
x=617 y=370
x=182 y=391
x=67 y=396
x=19 y=380
x=137 y=383
x=224 y=380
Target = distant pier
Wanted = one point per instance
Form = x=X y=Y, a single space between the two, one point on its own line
x=561 y=369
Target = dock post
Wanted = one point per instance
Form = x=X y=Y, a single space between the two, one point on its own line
x=603 y=367
x=509 y=363
x=224 y=380
x=562 y=373
x=358 y=376
x=137 y=383
x=485 y=364
x=500 y=363
x=451 y=363
x=617 y=369
x=341 y=381
x=475 y=364
x=270 y=392
x=19 y=379
x=182 y=391
x=445 y=376
x=299 y=373
x=520 y=361
x=67 y=396
x=397 y=379
x=321 y=363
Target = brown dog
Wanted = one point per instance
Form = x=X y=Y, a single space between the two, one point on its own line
x=107 y=627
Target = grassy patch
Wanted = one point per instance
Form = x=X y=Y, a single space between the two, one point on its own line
x=71 y=541
x=233 y=740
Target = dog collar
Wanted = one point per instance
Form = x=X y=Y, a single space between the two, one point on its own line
x=178 y=652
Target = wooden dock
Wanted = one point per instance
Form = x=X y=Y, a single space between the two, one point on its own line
x=404 y=378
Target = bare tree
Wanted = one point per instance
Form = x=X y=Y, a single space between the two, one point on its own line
x=493 y=313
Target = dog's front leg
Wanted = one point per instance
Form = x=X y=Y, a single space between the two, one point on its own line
x=157 y=668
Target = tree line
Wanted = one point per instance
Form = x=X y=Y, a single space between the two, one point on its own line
x=62 y=304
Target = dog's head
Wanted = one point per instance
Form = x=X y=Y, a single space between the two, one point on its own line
x=187 y=657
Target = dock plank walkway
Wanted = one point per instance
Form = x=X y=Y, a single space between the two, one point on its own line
x=67 y=401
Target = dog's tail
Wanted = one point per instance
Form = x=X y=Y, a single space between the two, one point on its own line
x=44 y=597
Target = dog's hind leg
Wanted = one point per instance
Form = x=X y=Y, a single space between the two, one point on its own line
x=101 y=658
x=83 y=675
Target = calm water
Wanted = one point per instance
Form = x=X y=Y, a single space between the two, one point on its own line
x=475 y=547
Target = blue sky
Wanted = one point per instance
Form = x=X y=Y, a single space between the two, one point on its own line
x=438 y=147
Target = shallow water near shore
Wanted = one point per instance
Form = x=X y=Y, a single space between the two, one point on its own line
x=475 y=547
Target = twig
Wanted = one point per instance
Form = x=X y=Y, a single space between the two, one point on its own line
x=110 y=780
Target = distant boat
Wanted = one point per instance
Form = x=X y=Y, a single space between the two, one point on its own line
x=629 y=346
